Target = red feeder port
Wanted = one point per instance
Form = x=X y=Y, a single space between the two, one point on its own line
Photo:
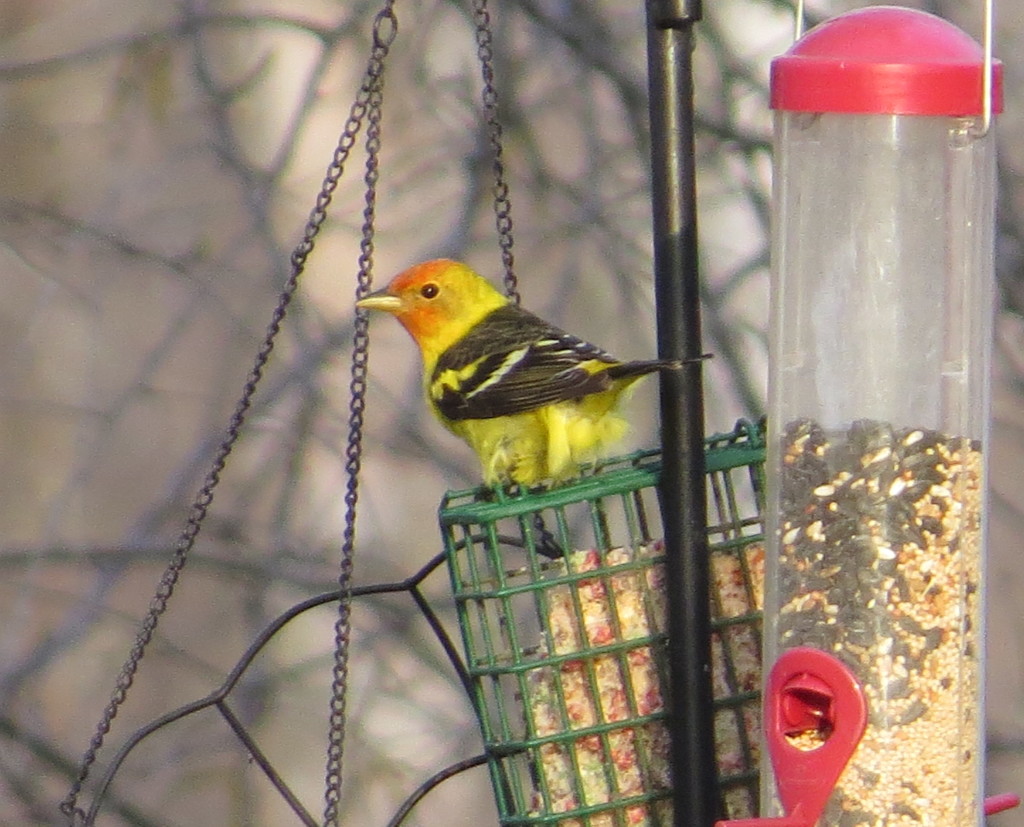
x=815 y=715
x=807 y=711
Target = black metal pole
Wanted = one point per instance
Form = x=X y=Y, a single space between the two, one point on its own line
x=683 y=486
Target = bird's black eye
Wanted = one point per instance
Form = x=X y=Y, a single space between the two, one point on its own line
x=428 y=291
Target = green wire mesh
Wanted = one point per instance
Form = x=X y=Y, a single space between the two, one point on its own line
x=561 y=605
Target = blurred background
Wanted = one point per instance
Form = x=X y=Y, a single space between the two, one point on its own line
x=157 y=164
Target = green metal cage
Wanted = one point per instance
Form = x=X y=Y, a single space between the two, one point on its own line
x=561 y=605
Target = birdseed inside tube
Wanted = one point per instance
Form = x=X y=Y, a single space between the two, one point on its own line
x=879 y=564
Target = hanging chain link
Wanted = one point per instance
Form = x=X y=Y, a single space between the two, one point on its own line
x=366 y=107
x=384 y=30
x=502 y=203
x=367 y=102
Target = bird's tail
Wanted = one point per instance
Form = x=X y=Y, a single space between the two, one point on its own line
x=634 y=370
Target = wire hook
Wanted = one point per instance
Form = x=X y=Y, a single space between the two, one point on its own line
x=986 y=80
x=385 y=26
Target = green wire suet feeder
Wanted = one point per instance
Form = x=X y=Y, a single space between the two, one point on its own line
x=561 y=605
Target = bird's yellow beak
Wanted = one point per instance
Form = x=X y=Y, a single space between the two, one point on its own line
x=381 y=300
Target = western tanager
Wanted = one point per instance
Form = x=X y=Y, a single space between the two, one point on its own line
x=533 y=401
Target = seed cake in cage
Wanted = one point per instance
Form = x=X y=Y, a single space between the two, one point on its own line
x=562 y=606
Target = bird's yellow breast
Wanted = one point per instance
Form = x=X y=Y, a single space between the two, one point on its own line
x=547 y=444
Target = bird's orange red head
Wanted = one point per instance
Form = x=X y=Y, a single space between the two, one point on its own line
x=437 y=302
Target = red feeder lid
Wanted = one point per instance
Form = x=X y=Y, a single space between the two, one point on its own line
x=887 y=60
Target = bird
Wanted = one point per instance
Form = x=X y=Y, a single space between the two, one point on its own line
x=532 y=401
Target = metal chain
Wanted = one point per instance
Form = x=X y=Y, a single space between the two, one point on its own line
x=502 y=204
x=384 y=30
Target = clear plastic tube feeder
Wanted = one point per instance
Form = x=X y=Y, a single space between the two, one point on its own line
x=882 y=302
